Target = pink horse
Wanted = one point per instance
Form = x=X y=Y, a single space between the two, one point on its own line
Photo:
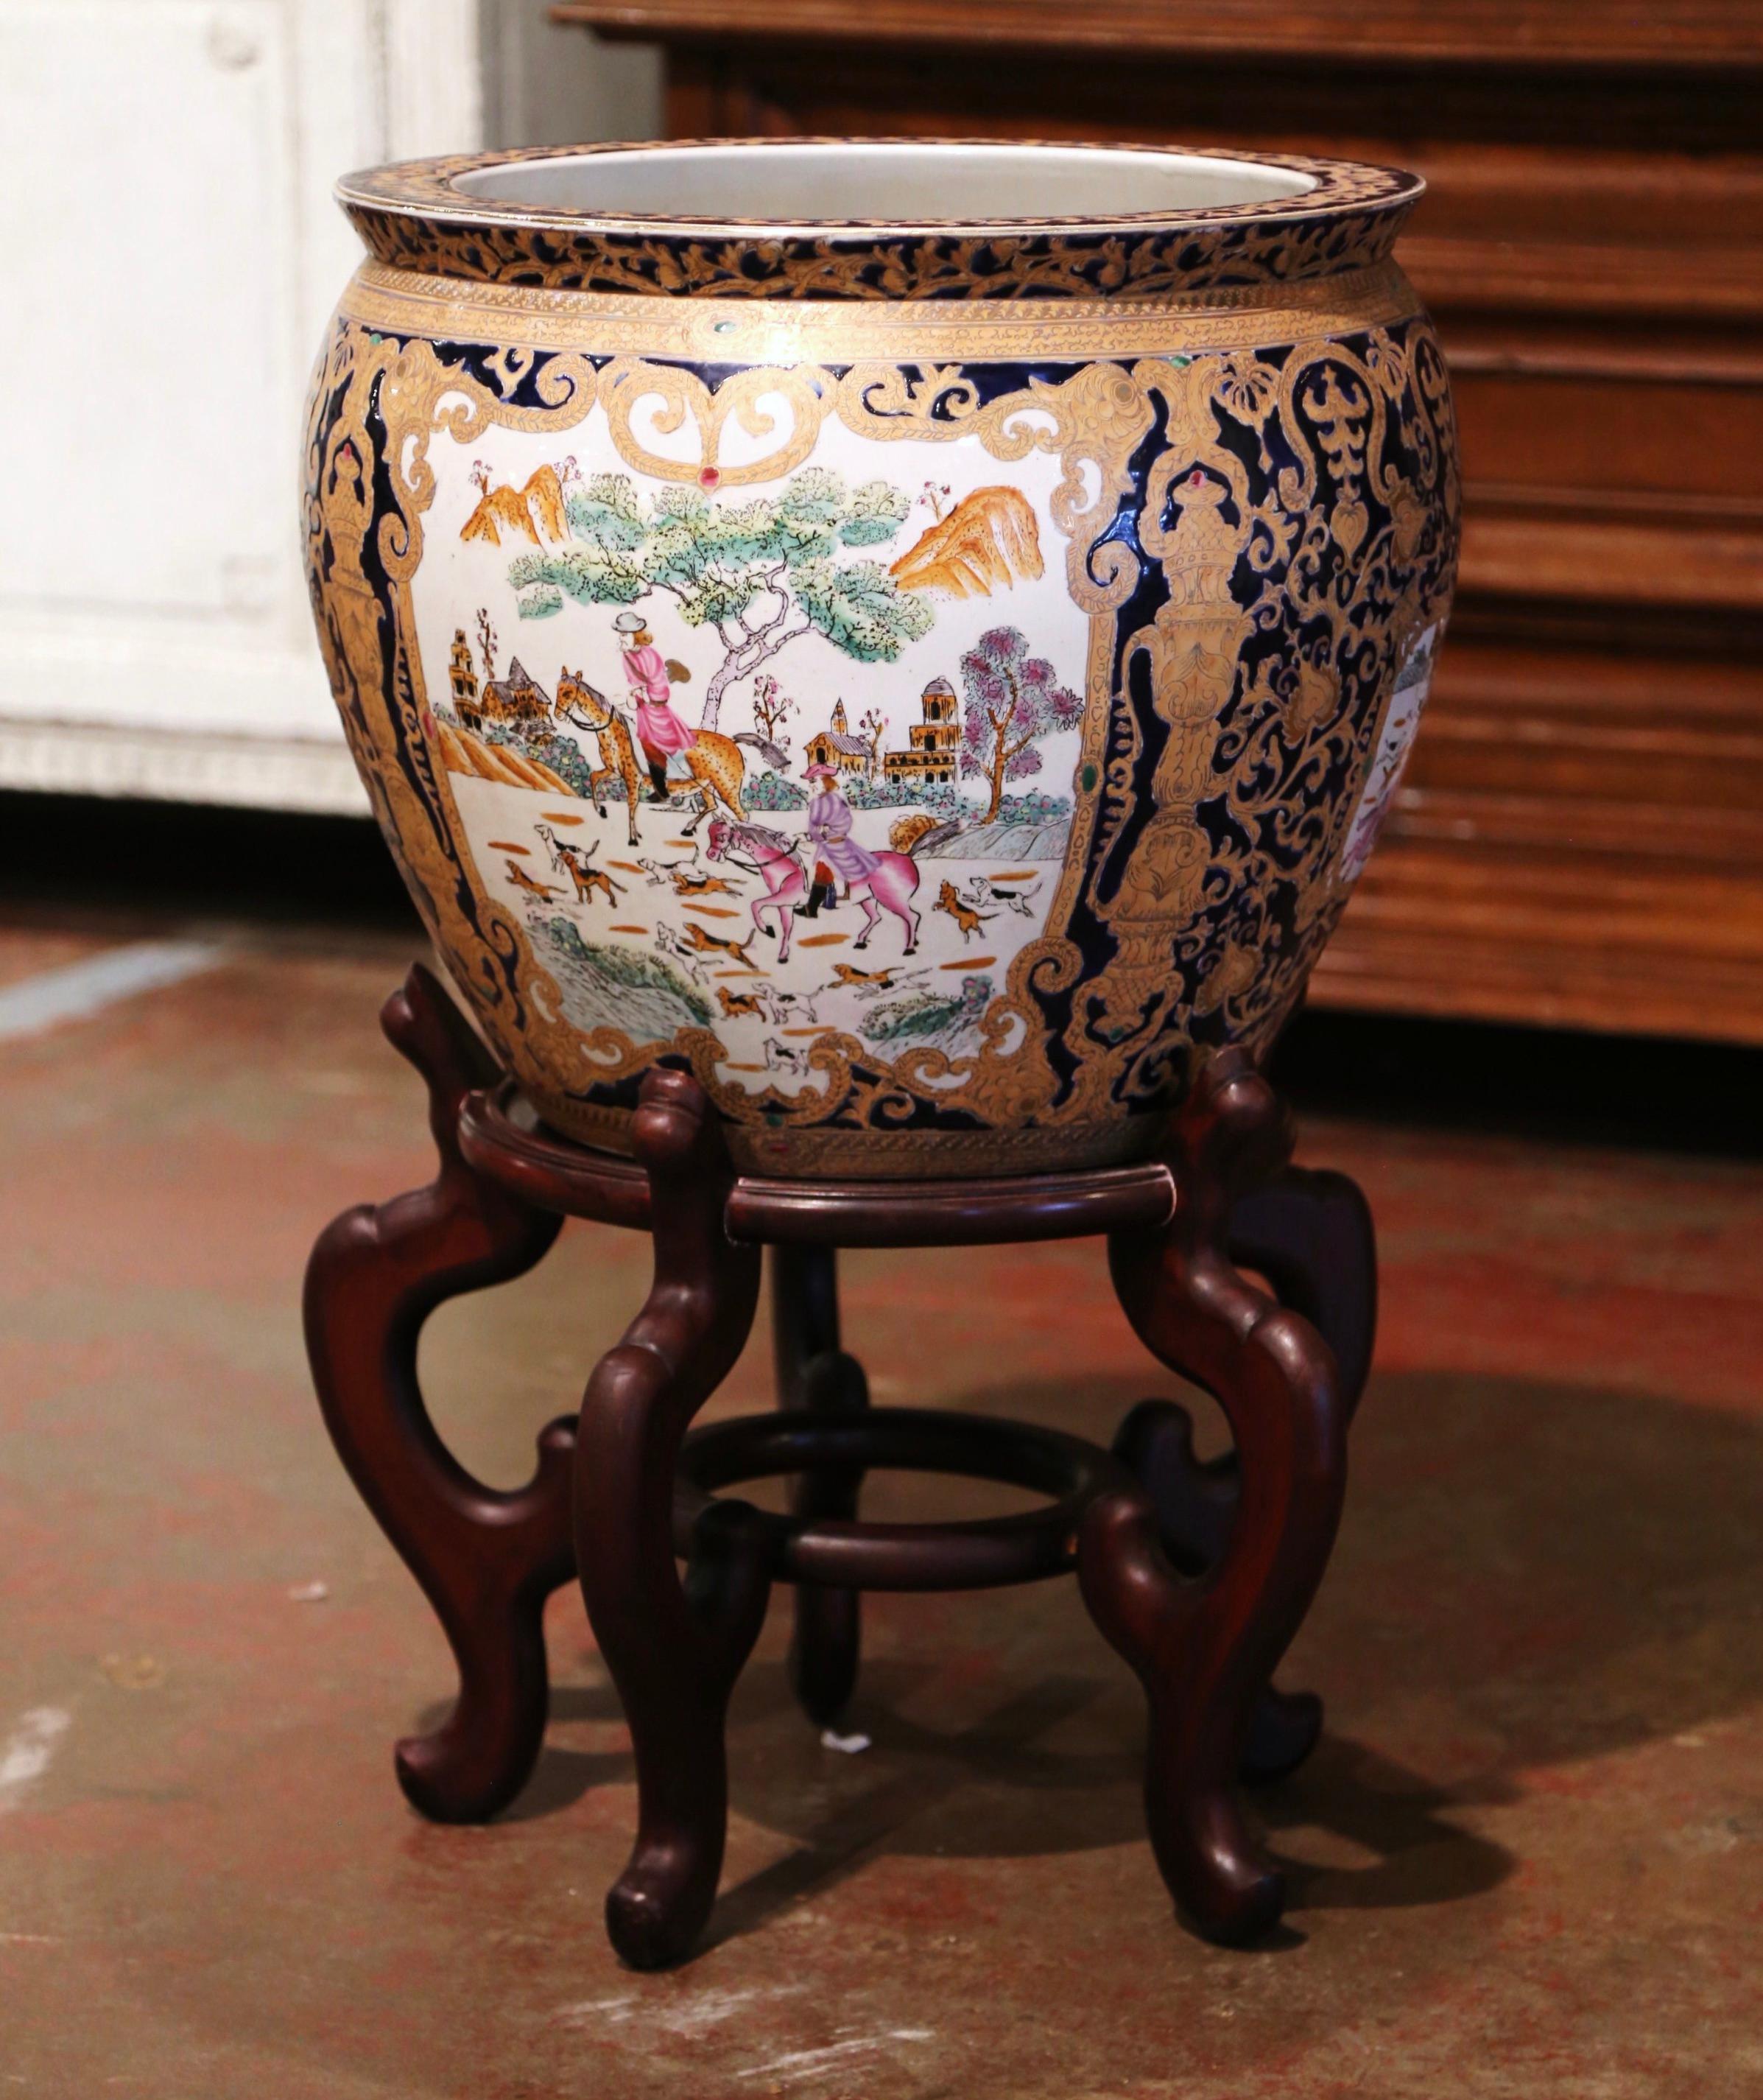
x=773 y=857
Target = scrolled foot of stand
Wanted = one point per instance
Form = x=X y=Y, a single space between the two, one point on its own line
x=481 y=1757
x=485 y=1560
x=1223 y=1884
x=1205 y=1643
x=674 y=1650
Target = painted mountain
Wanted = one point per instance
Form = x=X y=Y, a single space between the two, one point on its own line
x=463 y=752
x=533 y=513
x=985 y=543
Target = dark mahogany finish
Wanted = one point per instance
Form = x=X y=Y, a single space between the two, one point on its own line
x=985 y=1553
x=1206 y=1647
x=499 y=1136
x=1199 y=1574
x=1310 y=1234
x=814 y=1375
x=486 y=1560
x=674 y=1648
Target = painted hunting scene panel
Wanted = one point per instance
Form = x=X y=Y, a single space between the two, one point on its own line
x=776 y=759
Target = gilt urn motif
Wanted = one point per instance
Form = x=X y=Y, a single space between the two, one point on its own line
x=922 y=635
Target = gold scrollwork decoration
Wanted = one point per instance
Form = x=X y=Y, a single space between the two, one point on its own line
x=1296 y=521
x=785 y=406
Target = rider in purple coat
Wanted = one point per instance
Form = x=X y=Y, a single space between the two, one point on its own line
x=836 y=852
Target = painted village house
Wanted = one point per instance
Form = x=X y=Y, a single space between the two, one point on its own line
x=835 y=746
x=517 y=698
x=935 y=756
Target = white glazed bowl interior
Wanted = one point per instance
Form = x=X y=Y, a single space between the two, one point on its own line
x=881 y=183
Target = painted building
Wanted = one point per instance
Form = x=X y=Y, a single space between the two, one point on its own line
x=462 y=676
x=517 y=698
x=934 y=758
x=835 y=746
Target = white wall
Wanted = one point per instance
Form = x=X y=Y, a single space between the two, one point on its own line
x=174 y=253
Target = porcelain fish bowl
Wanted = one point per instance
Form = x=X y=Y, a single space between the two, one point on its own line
x=923 y=636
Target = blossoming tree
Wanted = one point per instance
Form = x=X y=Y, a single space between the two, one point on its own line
x=1009 y=700
x=771 y=705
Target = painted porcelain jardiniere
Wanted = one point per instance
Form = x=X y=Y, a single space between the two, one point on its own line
x=922 y=635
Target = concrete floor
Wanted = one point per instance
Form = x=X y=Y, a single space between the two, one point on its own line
x=1525 y=1860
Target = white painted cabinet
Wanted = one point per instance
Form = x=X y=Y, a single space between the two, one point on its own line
x=173 y=254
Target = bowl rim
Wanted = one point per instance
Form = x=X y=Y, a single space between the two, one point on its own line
x=428 y=189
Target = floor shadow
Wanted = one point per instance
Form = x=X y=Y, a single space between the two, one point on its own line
x=1552 y=1573
x=1417 y=1856
x=1574 y=1567
x=1565 y=1571
x=982 y=1792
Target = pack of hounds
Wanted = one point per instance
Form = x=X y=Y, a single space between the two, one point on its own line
x=696 y=950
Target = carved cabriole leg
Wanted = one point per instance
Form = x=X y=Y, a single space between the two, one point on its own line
x=485 y=1560
x=1204 y=1646
x=815 y=1374
x=674 y=1650
x=1310 y=1234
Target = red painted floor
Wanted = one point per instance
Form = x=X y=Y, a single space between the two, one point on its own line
x=1526 y=1859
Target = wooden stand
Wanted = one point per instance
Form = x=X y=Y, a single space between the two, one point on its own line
x=1198 y=1574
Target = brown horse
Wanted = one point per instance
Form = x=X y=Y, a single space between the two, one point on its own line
x=584 y=707
x=714 y=761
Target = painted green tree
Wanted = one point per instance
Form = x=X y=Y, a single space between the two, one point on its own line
x=760 y=572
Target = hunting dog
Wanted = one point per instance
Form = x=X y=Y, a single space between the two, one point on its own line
x=578 y=862
x=868 y=984
x=981 y=890
x=541 y=892
x=964 y=916
x=766 y=1003
x=702 y=943
x=688 y=884
x=782 y=1056
x=669 y=944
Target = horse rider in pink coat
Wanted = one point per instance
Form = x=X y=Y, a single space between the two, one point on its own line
x=836 y=852
x=660 y=732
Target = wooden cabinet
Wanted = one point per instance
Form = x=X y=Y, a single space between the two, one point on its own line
x=1580 y=838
